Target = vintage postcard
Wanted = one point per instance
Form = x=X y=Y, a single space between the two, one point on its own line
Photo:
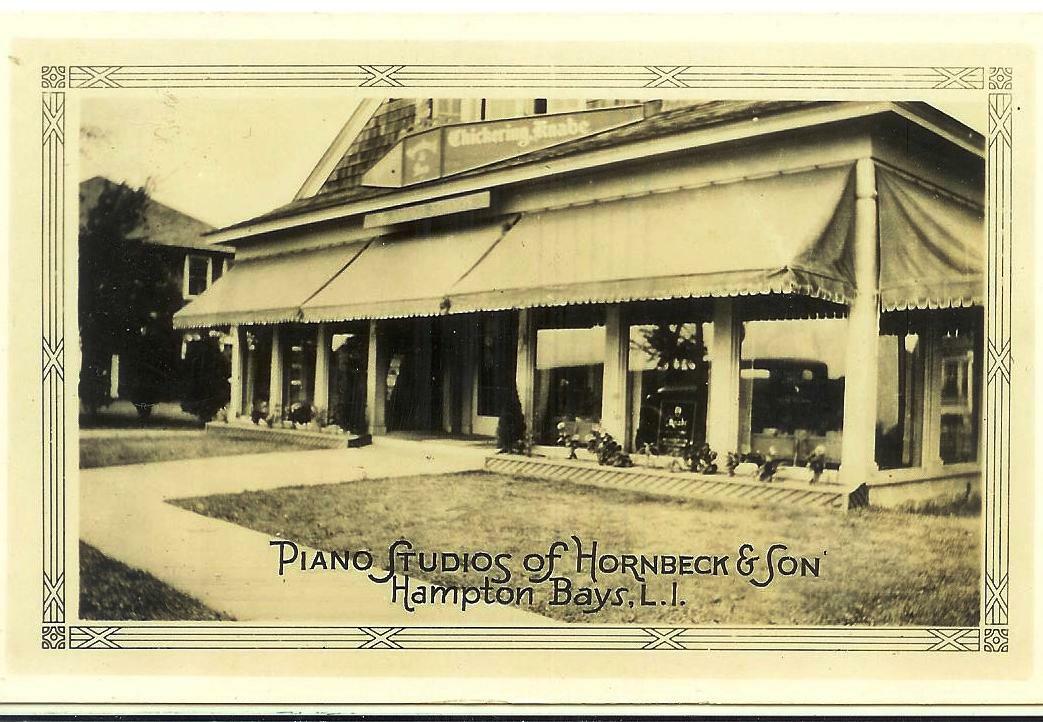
x=582 y=371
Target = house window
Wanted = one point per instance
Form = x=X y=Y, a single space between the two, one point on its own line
x=446 y=110
x=564 y=105
x=496 y=108
x=539 y=106
x=198 y=273
x=960 y=406
x=219 y=268
x=598 y=104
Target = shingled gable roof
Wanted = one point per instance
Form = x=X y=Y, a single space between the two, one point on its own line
x=378 y=137
x=163 y=226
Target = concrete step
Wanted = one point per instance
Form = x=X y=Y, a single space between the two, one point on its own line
x=719 y=487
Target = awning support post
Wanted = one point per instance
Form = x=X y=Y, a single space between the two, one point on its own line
x=235 y=398
x=275 y=382
x=321 y=395
x=249 y=374
x=858 y=449
x=376 y=380
x=722 y=416
x=614 y=381
x=525 y=369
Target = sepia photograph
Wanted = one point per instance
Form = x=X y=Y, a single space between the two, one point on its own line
x=660 y=365
x=527 y=361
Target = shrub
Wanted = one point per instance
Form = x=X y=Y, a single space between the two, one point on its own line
x=510 y=430
x=301 y=412
x=94 y=384
x=205 y=387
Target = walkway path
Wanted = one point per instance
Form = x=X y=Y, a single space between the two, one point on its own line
x=124 y=514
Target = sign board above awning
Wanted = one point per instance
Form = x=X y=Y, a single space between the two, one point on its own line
x=451 y=149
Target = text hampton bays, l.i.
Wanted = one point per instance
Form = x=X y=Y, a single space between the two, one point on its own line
x=569 y=572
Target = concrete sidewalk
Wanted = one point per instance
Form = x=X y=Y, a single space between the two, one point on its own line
x=124 y=514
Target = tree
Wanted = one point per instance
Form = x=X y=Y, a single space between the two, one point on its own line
x=104 y=282
x=127 y=301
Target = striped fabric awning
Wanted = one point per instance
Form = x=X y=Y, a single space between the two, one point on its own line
x=787 y=233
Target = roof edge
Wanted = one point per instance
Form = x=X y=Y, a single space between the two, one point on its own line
x=816 y=114
x=340 y=145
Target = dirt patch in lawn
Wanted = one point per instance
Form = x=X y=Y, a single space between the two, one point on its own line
x=876 y=568
x=110 y=590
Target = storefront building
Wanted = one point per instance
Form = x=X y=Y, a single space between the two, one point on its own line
x=756 y=275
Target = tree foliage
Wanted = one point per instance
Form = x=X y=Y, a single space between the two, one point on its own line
x=127 y=299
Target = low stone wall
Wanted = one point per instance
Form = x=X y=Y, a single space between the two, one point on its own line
x=911 y=487
x=720 y=487
x=297 y=437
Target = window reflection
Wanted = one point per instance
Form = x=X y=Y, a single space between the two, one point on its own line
x=791 y=388
x=569 y=373
x=669 y=382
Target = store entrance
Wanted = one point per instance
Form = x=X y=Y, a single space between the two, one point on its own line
x=414 y=397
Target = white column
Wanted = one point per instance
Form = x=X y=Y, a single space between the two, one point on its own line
x=114 y=376
x=614 y=378
x=235 y=400
x=525 y=365
x=722 y=414
x=275 y=382
x=249 y=376
x=858 y=451
x=467 y=356
x=376 y=380
x=184 y=280
x=321 y=393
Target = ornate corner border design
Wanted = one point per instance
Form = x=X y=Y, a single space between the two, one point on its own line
x=52 y=335
x=999 y=175
x=990 y=636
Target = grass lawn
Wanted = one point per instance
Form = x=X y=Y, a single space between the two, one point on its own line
x=879 y=568
x=110 y=590
x=139 y=448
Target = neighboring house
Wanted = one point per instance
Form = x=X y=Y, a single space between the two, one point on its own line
x=175 y=241
x=788 y=278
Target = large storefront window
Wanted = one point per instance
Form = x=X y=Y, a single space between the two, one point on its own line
x=497 y=359
x=791 y=389
x=900 y=400
x=569 y=372
x=960 y=368
x=669 y=383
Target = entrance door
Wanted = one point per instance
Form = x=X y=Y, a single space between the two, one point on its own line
x=413 y=383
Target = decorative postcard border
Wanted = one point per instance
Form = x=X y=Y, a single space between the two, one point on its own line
x=990 y=636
